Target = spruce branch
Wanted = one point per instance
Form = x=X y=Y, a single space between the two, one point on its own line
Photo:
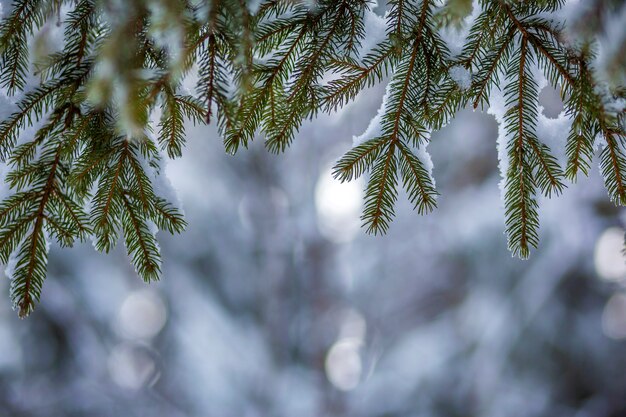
x=522 y=219
x=88 y=164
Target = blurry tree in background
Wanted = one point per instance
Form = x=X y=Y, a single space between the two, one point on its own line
x=274 y=303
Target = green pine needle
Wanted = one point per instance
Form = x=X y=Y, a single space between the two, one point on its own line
x=88 y=170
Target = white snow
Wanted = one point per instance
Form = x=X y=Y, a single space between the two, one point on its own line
x=462 y=76
x=553 y=132
x=425 y=158
x=375 y=31
x=497 y=108
x=374 y=129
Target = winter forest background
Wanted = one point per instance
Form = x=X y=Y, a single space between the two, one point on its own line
x=274 y=302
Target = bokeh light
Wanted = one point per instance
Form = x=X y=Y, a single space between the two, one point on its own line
x=344 y=365
x=142 y=315
x=608 y=257
x=132 y=367
x=614 y=317
x=338 y=207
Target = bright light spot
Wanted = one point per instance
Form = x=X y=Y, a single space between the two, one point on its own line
x=344 y=365
x=142 y=315
x=608 y=258
x=132 y=367
x=338 y=207
x=614 y=317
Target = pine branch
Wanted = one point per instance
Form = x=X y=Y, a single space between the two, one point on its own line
x=33 y=213
x=381 y=194
x=263 y=71
x=581 y=140
x=32 y=107
x=522 y=220
x=358 y=160
x=356 y=77
x=25 y=18
x=417 y=181
x=492 y=65
x=140 y=243
x=613 y=167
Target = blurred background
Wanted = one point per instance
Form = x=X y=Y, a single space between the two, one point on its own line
x=276 y=303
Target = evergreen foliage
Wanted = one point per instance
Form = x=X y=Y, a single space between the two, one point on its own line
x=83 y=158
